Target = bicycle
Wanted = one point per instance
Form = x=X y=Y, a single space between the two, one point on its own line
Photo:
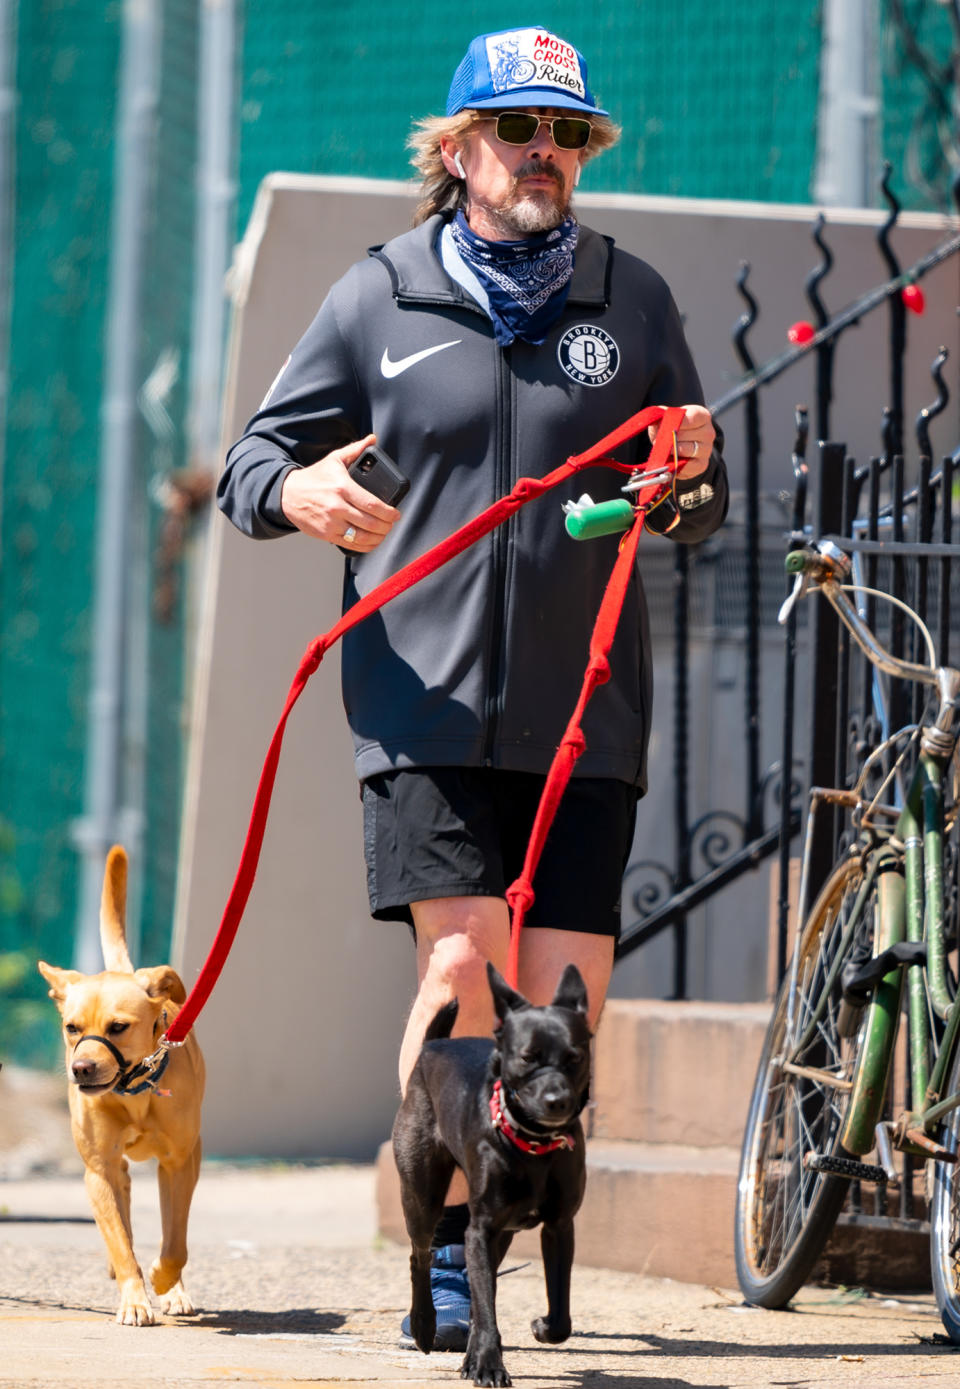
x=876 y=931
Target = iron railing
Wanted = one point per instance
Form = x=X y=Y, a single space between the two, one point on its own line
x=901 y=528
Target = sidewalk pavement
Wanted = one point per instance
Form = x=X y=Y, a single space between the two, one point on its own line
x=296 y=1287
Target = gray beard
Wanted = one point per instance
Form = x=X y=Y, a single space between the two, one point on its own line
x=526 y=215
x=536 y=212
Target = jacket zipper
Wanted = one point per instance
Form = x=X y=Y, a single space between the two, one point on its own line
x=503 y=481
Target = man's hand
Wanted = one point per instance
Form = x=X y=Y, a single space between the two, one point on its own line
x=325 y=502
x=694 y=439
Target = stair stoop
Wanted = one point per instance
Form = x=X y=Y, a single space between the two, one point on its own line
x=676 y=1072
x=660 y=1210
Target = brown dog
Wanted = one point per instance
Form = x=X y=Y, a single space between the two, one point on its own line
x=118 y=1105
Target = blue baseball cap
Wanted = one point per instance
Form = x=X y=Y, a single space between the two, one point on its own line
x=521 y=67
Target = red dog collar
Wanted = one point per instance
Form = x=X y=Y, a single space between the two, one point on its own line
x=536 y=1148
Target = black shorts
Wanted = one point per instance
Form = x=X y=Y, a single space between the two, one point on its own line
x=463 y=832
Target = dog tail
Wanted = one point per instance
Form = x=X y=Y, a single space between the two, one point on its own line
x=442 y=1022
x=113 y=913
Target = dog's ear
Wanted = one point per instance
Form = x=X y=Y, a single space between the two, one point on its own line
x=505 y=999
x=571 y=991
x=161 y=982
x=58 y=979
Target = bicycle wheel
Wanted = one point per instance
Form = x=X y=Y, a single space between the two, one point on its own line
x=945 y=1219
x=785 y=1211
x=522 y=71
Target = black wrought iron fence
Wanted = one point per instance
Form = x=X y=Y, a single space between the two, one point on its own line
x=895 y=511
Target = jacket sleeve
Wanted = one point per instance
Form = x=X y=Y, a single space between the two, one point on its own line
x=314 y=406
x=699 y=503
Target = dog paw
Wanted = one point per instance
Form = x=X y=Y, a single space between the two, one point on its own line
x=485 y=1370
x=164 y=1275
x=176 y=1303
x=550 y=1333
x=135 y=1311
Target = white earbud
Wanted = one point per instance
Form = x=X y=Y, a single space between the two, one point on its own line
x=458 y=165
x=576 y=176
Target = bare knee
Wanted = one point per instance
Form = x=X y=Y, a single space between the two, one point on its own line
x=456 y=936
x=455 y=966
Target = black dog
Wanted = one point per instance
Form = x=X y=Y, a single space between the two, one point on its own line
x=507 y=1113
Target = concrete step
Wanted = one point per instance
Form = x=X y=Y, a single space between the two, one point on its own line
x=676 y=1073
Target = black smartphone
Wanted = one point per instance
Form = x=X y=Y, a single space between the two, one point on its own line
x=377 y=472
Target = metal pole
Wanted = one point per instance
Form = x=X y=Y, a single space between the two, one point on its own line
x=681 y=760
x=213 y=240
x=8 y=49
x=801 y=475
x=824 y=662
x=847 y=120
x=133 y=165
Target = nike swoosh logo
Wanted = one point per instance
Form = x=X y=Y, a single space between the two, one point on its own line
x=391 y=369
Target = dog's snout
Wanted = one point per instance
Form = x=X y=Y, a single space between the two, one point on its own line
x=557 y=1102
x=83 y=1069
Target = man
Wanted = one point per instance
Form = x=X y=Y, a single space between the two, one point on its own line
x=492 y=341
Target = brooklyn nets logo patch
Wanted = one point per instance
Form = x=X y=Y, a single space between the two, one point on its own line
x=588 y=355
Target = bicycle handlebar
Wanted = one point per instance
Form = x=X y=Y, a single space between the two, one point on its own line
x=827 y=567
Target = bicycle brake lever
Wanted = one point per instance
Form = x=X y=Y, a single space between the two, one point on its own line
x=800 y=585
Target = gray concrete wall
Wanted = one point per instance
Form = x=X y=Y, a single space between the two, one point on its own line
x=302 y=1031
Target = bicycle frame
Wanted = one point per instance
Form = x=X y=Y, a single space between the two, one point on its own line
x=905 y=865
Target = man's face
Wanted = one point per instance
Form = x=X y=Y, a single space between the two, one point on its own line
x=514 y=191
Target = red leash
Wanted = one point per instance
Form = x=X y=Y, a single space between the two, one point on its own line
x=520 y=894
x=525 y=490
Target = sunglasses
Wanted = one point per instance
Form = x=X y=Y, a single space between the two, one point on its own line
x=520 y=127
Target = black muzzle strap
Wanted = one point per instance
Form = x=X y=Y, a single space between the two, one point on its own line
x=152 y=1070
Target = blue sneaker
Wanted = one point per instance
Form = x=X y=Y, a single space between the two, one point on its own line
x=450 y=1288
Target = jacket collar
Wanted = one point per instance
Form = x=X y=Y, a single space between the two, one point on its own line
x=418 y=277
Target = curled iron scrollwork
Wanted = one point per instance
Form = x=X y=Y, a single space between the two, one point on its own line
x=771 y=786
x=930 y=412
x=646 y=886
x=715 y=836
x=746 y=320
x=819 y=272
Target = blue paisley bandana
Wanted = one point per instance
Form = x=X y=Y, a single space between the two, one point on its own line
x=526 y=281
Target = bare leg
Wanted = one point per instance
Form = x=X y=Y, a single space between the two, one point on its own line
x=545 y=953
x=456 y=936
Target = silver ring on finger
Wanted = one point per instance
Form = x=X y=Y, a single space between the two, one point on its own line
x=350 y=534
x=696 y=448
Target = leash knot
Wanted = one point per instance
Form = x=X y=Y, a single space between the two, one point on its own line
x=576 y=741
x=313 y=656
x=600 y=669
x=529 y=487
x=521 y=891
